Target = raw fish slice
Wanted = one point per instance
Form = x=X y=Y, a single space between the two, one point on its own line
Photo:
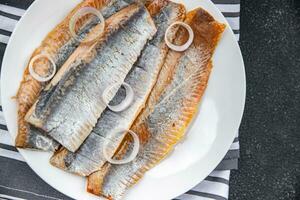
x=89 y=157
x=37 y=139
x=170 y=108
x=69 y=107
x=59 y=45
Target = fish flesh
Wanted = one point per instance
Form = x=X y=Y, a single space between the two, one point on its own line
x=69 y=107
x=59 y=45
x=89 y=157
x=37 y=139
x=170 y=108
x=67 y=89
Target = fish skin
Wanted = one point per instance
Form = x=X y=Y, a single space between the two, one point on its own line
x=60 y=45
x=106 y=63
x=89 y=157
x=37 y=139
x=170 y=108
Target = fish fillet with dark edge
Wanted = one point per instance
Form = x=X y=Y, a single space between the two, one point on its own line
x=89 y=157
x=59 y=45
x=170 y=108
x=69 y=107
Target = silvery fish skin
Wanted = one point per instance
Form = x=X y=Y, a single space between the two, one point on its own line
x=89 y=157
x=172 y=105
x=37 y=139
x=59 y=45
x=68 y=109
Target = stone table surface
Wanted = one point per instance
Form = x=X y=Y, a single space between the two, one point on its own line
x=269 y=166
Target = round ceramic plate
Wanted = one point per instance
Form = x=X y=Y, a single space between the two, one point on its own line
x=208 y=138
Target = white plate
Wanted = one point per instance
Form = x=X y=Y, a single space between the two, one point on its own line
x=208 y=138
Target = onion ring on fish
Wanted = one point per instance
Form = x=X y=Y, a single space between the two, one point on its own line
x=131 y=157
x=82 y=12
x=35 y=75
x=125 y=103
x=185 y=45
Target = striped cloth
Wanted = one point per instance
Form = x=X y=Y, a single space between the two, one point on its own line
x=18 y=181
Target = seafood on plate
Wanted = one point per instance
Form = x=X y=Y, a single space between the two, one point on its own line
x=68 y=108
x=59 y=45
x=89 y=157
x=113 y=88
x=170 y=108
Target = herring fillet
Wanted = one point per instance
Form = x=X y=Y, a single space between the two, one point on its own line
x=68 y=109
x=89 y=157
x=170 y=107
x=59 y=45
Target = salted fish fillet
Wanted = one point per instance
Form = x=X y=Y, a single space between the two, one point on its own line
x=89 y=157
x=59 y=45
x=170 y=108
x=70 y=105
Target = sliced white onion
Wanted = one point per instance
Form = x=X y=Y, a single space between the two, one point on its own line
x=134 y=152
x=80 y=13
x=185 y=45
x=125 y=103
x=35 y=75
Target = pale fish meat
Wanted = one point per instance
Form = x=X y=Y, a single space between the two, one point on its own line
x=69 y=107
x=59 y=45
x=170 y=108
x=89 y=157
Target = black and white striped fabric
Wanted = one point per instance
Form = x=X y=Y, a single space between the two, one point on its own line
x=18 y=181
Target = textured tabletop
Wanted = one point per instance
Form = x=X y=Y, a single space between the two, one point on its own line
x=269 y=167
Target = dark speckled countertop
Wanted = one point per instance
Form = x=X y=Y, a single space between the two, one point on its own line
x=269 y=167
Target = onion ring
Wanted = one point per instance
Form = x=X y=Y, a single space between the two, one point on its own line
x=131 y=157
x=185 y=45
x=125 y=103
x=82 y=12
x=35 y=75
